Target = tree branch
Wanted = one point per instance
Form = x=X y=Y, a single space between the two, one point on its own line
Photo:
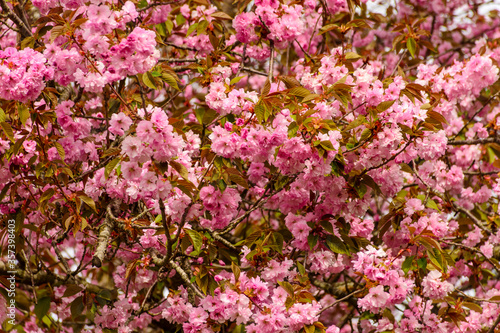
x=185 y=278
x=474 y=141
x=104 y=235
x=25 y=32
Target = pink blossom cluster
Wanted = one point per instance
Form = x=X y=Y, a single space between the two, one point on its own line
x=238 y=304
x=393 y=287
x=23 y=74
x=105 y=60
x=279 y=23
x=434 y=287
x=222 y=206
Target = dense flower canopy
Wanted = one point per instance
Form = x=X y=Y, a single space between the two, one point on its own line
x=257 y=166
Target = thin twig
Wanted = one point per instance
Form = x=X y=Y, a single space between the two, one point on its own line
x=177 y=60
x=474 y=141
x=253 y=71
x=180 y=47
x=340 y=300
x=155 y=4
x=495 y=324
x=399 y=61
x=473 y=250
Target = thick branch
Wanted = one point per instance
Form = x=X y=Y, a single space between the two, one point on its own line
x=166 y=226
x=185 y=278
x=25 y=32
x=104 y=235
x=474 y=141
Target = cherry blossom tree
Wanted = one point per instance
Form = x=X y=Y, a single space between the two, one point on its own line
x=257 y=166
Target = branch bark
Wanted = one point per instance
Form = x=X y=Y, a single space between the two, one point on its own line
x=25 y=32
x=104 y=235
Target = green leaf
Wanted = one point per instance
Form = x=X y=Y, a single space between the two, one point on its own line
x=202 y=27
x=278 y=240
x=171 y=81
x=191 y=28
x=221 y=184
x=3 y=116
x=310 y=97
x=110 y=167
x=180 y=20
x=473 y=306
x=161 y=29
x=436 y=116
x=436 y=259
x=327 y=145
x=238 y=179
x=260 y=111
x=327 y=225
x=361 y=189
x=88 y=201
x=7 y=129
x=287 y=286
x=300 y=91
x=309 y=328
x=365 y=134
x=422 y=263
x=209 y=116
x=4 y=191
x=236 y=80
x=60 y=150
x=24 y=113
x=148 y=80
x=180 y=168
x=327 y=28
x=221 y=15
x=336 y=245
x=72 y=289
x=196 y=239
x=431 y=204
x=49 y=193
x=42 y=307
x=77 y=307
x=312 y=240
x=301 y=268
x=17 y=145
x=385 y=105
x=412 y=46
x=352 y=56
x=236 y=271
x=407 y=264
x=28 y=42
x=355 y=123
x=170 y=26
x=292 y=129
